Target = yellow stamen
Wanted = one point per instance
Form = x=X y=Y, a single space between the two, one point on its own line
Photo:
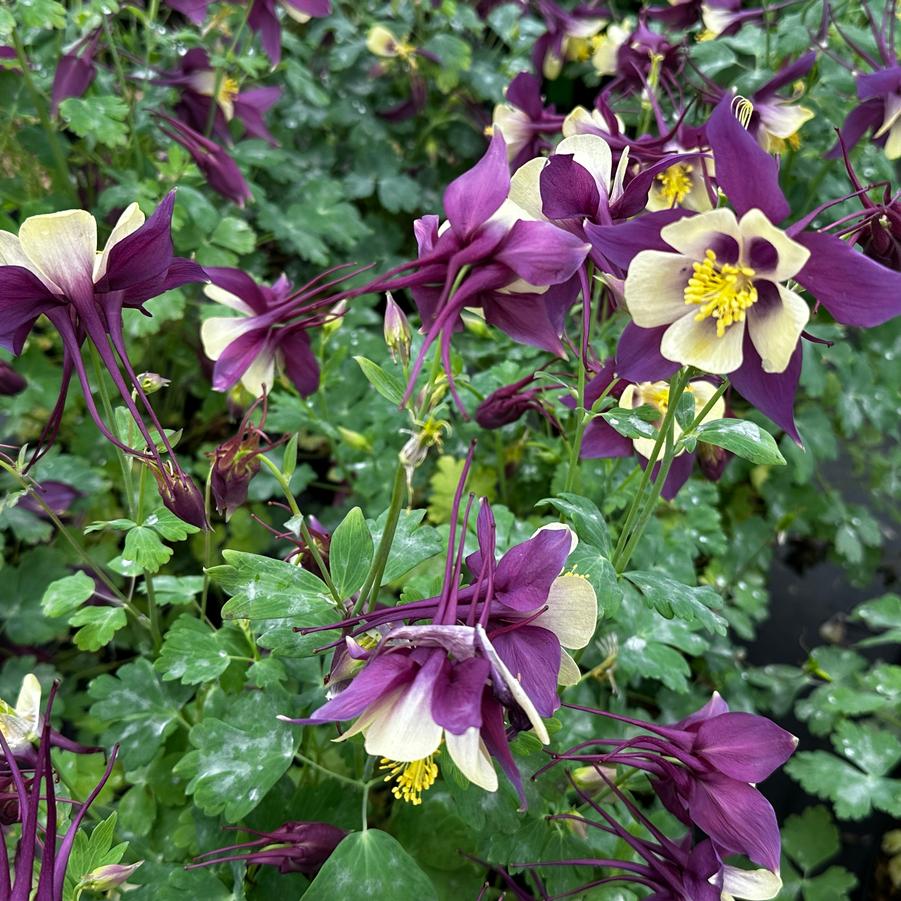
x=675 y=183
x=723 y=291
x=228 y=90
x=413 y=777
x=656 y=394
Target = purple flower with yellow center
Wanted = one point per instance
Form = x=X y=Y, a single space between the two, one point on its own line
x=270 y=334
x=713 y=291
x=704 y=769
x=494 y=255
x=492 y=646
x=54 y=268
x=602 y=440
x=524 y=119
x=568 y=33
x=220 y=171
x=199 y=81
x=294 y=847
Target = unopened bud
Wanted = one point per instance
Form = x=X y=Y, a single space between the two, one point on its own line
x=180 y=495
x=398 y=334
x=151 y=382
x=476 y=325
x=592 y=778
x=102 y=879
x=577 y=827
x=355 y=439
x=336 y=317
x=10 y=380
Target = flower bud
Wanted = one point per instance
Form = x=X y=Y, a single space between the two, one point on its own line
x=102 y=879
x=335 y=318
x=592 y=778
x=398 y=334
x=10 y=380
x=152 y=382
x=180 y=495
x=355 y=439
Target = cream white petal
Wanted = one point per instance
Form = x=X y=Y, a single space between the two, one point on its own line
x=750 y=885
x=515 y=125
x=518 y=692
x=569 y=674
x=893 y=144
x=655 y=287
x=593 y=153
x=28 y=704
x=469 y=753
x=695 y=343
x=130 y=221
x=776 y=328
x=11 y=252
x=218 y=332
x=62 y=247
x=407 y=731
x=572 y=611
x=694 y=235
x=260 y=375
x=294 y=13
x=783 y=119
x=525 y=187
x=791 y=256
x=892 y=114
x=376 y=711
x=227 y=299
x=581 y=121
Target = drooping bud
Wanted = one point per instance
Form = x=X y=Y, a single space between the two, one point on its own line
x=10 y=380
x=152 y=382
x=712 y=460
x=335 y=317
x=179 y=494
x=509 y=403
x=412 y=455
x=102 y=879
x=398 y=334
x=355 y=439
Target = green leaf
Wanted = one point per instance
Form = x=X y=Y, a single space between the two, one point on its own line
x=234 y=234
x=99 y=625
x=143 y=546
x=811 y=838
x=586 y=519
x=41 y=14
x=695 y=605
x=874 y=750
x=278 y=596
x=883 y=613
x=744 y=438
x=167 y=524
x=685 y=410
x=239 y=758
x=138 y=710
x=376 y=866
x=413 y=543
x=67 y=594
x=191 y=652
x=386 y=383
x=176 y=590
x=101 y=120
x=350 y=553
x=88 y=853
x=631 y=423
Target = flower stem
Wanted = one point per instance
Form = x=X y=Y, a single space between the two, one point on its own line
x=207 y=542
x=304 y=531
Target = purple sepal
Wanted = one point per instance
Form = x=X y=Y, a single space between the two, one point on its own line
x=532 y=654
x=457 y=695
x=473 y=197
x=638 y=357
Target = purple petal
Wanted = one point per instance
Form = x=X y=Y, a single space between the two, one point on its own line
x=474 y=196
x=875 y=84
x=714 y=707
x=744 y=746
x=495 y=737
x=853 y=288
x=315 y=8
x=524 y=92
x=525 y=318
x=525 y=573
x=239 y=283
x=238 y=357
x=457 y=695
x=737 y=818
x=532 y=654
x=263 y=20
x=183 y=272
x=251 y=105
x=23 y=297
x=568 y=190
x=300 y=363
x=195 y=10
x=772 y=393
x=73 y=77
x=678 y=475
x=377 y=678
x=619 y=243
x=638 y=357
x=541 y=253
x=862 y=117
x=798 y=69
x=602 y=440
x=744 y=170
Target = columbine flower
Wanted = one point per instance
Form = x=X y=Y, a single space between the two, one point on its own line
x=295 y=847
x=511 y=258
x=75 y=71
x=54 y=268
x=220 y=170
x=566 y=31
x=879 y=110
x=448 y=682
x=675 y=871
x=198 y=82
x=602 y=440
x=704 y=770
x=110 y=876
x=398 y=335
x=263 y=19
x=271 y=332
x=524 y=119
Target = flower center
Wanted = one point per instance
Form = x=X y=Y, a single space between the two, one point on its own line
x=656 y=394
x=228 y=90
x=722 y=290
x=675 y=183
x=412 y=777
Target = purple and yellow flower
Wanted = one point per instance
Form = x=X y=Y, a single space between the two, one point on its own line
x=263 y=20
x=524 y=119
x=199 y=81
x=568 y=35
x=54 y=268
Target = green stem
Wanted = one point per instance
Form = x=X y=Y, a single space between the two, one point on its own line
x=153 y=612
x=124 y=89
x=500 y=453
x=373 y=582
x=304 y=531
x=367 y=783
x=61 y=176
x=207 y=542
x=677 y=386
x=347 y=780
x=220 y=73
